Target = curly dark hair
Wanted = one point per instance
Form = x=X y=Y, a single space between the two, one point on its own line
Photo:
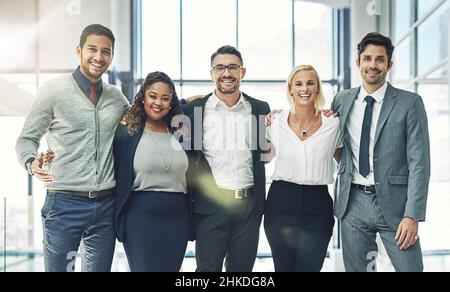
x=135 y=118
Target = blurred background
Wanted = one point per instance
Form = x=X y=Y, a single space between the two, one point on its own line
x=38 y=40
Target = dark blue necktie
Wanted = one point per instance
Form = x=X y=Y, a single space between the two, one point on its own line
x=364 y=165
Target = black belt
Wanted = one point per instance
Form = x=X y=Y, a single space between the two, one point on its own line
x=90 y=195
x=238 y=194
x=370 y=189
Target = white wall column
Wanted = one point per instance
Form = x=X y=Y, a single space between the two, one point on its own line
x=363 y=20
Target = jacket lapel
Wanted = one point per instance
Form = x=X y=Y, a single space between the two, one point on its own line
x=254 y=134
x=347 y=105
x=386 y=109
x=133 y=144
x=198 y=132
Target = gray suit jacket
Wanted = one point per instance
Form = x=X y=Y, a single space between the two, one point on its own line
x=401 y=155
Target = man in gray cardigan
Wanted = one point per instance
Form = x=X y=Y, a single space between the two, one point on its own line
x=79 y=115
x=384 y=173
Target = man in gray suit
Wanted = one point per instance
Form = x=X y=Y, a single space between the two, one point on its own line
x=384 y=173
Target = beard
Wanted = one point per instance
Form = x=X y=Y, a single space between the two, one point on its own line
x=228 y=90
x=380 y=79
x=85 y=68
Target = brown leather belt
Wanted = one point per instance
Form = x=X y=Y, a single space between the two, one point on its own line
x=90 y=195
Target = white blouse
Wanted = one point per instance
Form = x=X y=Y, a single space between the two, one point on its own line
x=308 y=162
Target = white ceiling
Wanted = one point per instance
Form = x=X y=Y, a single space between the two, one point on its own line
x=333 y=3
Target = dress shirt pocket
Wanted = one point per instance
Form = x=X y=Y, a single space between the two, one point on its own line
x=398 y=180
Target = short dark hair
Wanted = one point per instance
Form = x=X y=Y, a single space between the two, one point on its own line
x=96 y=29
x=377 y=39
x=227 y=50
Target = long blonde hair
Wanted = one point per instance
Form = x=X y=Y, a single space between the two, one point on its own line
x=320 y=100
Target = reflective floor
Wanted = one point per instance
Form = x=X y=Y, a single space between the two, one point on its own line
x=437 y=261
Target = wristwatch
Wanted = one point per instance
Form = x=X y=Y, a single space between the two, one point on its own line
x=28 y=166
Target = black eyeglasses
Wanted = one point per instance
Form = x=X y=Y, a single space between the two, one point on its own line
x=232 y=68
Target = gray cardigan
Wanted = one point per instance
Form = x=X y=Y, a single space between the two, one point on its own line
x=78 y=133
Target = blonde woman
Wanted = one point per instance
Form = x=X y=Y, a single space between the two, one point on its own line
x=299 y=210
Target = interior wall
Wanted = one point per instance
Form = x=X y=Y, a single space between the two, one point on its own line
x=17 y=30
x=364 y=19
x=60 y=26
x=44 y=33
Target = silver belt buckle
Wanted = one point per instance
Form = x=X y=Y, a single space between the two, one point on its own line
x=91 y=195
x=366 y=190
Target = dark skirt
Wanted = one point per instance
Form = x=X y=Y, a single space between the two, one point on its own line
x=157 y=229
x=302 y=206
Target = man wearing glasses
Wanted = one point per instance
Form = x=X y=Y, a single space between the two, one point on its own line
x=228 y=173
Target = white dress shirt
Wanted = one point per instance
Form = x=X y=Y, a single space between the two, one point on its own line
x=354 y=127
x=226 y=142
x=308 y=162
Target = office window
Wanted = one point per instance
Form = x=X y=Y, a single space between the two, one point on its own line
x=265 y=38
x=15 y=190
x=424 y=6
x=437 y=104
x=439 y=75
x=314 y=38
x=161 y=37
x=273 y=94
x=207 y=25
x=403 y=60
x=189 y=90
x=403 y=17
x=433 y=40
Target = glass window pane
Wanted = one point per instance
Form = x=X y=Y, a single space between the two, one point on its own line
x=161 y=37
x=441 y=73
x=273 y=94
x=402 y=59
x=207 y=25
x=313 y=37
x=433 y=40
x=188 y=90
x=403 y=17
x=265 y=38
x=436 y=101
x=424 y=6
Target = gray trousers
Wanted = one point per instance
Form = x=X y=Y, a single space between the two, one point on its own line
x=360 y=226
x=231 y=234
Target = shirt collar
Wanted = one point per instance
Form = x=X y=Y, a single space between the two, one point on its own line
x=215 y=102
x=84 y=83
x=377 y=95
